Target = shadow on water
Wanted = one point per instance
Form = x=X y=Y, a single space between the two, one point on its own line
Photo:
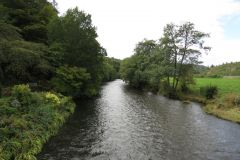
x=123 y=123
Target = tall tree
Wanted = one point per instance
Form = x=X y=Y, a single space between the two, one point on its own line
x=77 y=36
x=145 y=47
x=184 y=44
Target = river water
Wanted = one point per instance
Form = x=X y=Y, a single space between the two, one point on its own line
x=126 y=124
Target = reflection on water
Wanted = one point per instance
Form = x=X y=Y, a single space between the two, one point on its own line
x=127 y=124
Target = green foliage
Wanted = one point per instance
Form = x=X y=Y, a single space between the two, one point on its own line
x=200 y=70
x=145 y=47
x=31 y=17
x=20 y=91
x=52 y=98
x=71 y=81
x=38 y=47
x=9 y=32
x=22 y=62
x=35 y=44
x=76 y=35
x=169 y=61
x=24 y=132
x=184 y=45
x=1 y=88
x=110 y=70
x=209 y=91
x=22 y=96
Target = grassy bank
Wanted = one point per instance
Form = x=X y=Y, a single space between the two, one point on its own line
x=226 y=104
x=28 y=120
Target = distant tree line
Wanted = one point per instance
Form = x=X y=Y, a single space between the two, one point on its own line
x=227 y=69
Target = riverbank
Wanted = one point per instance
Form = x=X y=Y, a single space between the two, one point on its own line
x=224 y=106
x=29 y=119
x=231 y=114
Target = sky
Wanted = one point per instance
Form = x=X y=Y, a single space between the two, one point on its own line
x=121 y=24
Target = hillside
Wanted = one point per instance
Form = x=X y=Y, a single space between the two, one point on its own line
x=227 y=69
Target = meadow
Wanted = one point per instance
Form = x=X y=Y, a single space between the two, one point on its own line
x=227 y=103
x=225 y=85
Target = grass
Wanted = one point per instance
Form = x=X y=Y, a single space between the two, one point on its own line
x=227 y=104
x=224 y=85
x=232 y=114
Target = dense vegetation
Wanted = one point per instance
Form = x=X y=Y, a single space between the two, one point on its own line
x=38 y=46
x=166 y=65
x=48 y=53
x=28 y=119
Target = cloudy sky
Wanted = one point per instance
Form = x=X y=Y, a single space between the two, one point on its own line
x=121 y=24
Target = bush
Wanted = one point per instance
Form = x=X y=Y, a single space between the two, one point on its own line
x=21 y=91
x=21 y=97
x=25 y=128
x=52 y=98
x=209 y=92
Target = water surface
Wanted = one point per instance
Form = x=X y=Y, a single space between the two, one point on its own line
x=126 y=124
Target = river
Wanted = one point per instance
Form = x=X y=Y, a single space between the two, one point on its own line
x=127 y=124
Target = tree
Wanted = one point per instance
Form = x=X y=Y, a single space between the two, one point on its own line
x=184 y=45
x=23 y=62
x=9 y=32
x=166 y=63
x=71 y=81
x=77 y=36
x=31 y=17
x=145 y=47
x=110 y=70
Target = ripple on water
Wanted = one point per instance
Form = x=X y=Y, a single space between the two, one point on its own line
x=124 y=123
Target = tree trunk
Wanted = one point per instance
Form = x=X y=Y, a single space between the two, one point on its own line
x=181 y=63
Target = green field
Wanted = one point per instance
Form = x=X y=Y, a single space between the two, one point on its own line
x=224 y=85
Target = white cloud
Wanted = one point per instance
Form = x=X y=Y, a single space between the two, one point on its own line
x=123 y=23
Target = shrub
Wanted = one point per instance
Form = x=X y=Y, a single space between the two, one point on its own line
x=23 y=132
x=21 y=91
x=209 y=91
x=21 y=97
x=52 y=98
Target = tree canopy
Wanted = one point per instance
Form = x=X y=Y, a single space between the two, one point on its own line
x=167 y=62
x=56 y=52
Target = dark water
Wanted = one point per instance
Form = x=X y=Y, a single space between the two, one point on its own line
x=125 y=124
